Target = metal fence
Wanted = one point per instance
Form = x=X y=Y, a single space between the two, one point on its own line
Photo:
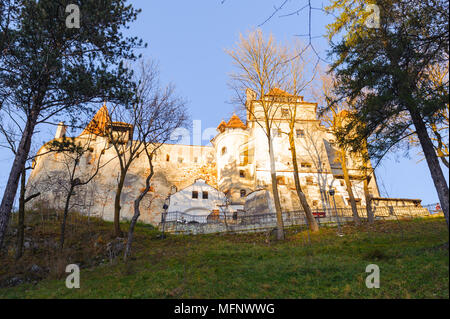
x=241 y=220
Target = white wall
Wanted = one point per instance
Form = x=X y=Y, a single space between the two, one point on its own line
x=182 y=200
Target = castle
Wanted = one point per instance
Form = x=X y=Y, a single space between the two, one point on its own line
x=203 y=179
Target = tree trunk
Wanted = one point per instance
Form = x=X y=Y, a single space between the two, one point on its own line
x=21 y=225
x=66 y=212
x=432 y=161
x=137 y=211
x=276 y=197
x=301 y=196
x=134 y=219
x=370 y=216
x=16 y=170
x=117 y=230
x=348 y=183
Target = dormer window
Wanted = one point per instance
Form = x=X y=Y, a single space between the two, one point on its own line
x=300 y=133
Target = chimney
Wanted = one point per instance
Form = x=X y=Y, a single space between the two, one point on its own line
x=61 y=130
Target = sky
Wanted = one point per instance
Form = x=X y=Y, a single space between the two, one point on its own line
x=189 y=38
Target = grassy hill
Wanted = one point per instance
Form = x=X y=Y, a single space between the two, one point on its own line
x=412 y=256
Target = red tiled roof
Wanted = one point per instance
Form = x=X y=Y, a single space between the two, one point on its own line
x=277 y=91
x=235 y=122
x=222 y=124
x=98 y=123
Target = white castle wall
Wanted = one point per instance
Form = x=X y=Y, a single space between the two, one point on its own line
x=179 y=166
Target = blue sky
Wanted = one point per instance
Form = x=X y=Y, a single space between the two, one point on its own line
x=188 y=39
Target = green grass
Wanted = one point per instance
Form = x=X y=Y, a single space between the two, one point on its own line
x=412 y=261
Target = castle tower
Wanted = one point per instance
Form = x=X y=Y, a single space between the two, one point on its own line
x=232 y=159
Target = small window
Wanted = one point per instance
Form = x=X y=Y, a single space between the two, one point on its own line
x=224 y=150
x=306 y=165
x=194 y=194
x=241 y=173
x=309 y=180
x=180 y=160
x=300 y=133
x=342 y=182
x=243 y=193
x=276 y=132
x=205 y=195
x=284 y=112
x=167 y=158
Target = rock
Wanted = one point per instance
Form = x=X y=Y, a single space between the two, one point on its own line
x=14 y=281
x=35 y=269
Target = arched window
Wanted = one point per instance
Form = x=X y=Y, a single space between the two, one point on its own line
x=243 y=193
x=224 y=150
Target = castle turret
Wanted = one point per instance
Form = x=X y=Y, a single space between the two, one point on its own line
x=232 y=159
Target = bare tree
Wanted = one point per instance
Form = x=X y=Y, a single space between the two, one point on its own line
x=260 y=71
x=296 y=83
x=334 y=117
x=156 y=114
x=74 y=152
x=121 y=125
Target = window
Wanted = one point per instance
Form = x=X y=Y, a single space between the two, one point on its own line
x=194 y=194
x=243 y=158
x=342 y=182
x=195 y=159
x=180 y=160
x=276 y=132
x=300 y=133
x=309 y=180
x=315 y=203
x=241 y=173
x=243 y=193
x=167 y=157
x=205 y=195
x=284 y=112
x=224 y=150
x=306 y=165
